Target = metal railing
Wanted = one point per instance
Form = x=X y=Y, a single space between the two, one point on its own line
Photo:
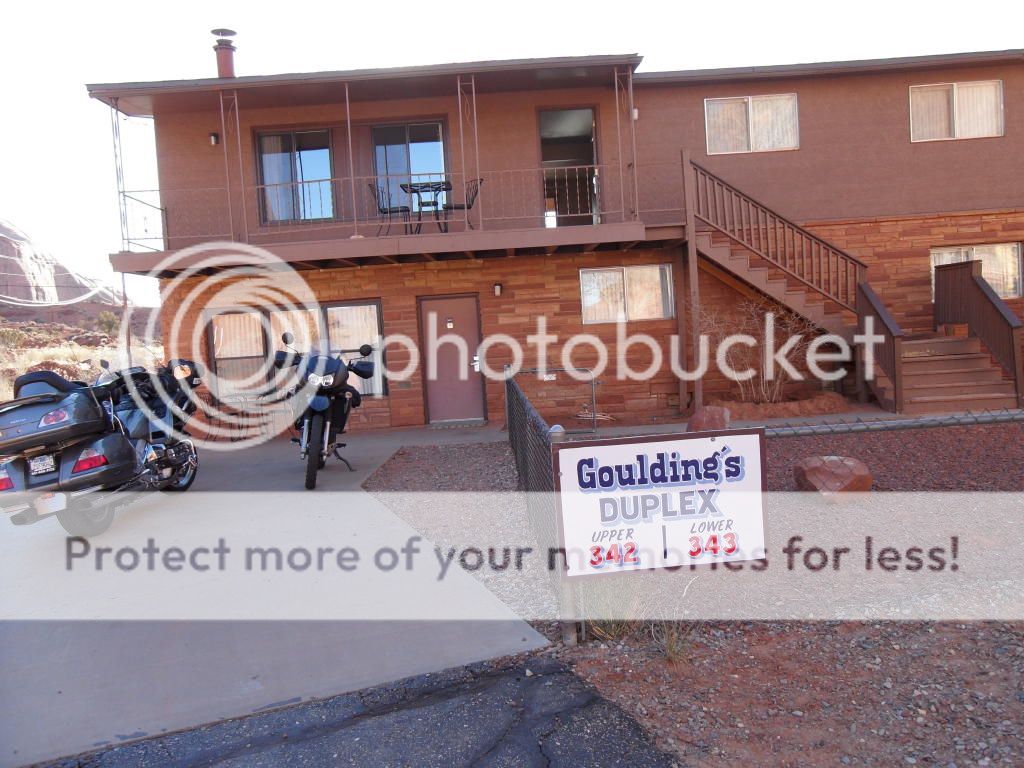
x=963 y=296
x=784 y=244
x=377 y=205
x=889 y=357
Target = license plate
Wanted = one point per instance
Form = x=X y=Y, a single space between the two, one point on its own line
x=48 y=503
x=40 y=465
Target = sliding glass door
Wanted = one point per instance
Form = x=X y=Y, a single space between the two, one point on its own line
x=295 y=176
x=408 y=155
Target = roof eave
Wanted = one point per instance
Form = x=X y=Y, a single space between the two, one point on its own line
x=829 y=68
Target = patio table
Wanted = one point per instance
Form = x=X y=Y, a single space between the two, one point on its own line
x=432 y=188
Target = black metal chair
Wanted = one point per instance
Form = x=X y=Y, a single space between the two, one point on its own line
x=387 y=212
x=472 y=190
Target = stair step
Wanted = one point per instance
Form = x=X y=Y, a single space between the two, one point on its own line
x=933 y=404
x=928 y=363
x=943 y=345
x=959 y=388
x=979 y=373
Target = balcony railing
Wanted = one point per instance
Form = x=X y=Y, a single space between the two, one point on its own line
x=378 y=205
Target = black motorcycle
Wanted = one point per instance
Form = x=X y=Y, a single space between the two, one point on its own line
x=68 y=447
x=321 y=402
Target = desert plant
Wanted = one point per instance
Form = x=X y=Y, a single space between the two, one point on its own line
x=673 y=637
x=12 y=338
x=107 y=322
x=751 y=318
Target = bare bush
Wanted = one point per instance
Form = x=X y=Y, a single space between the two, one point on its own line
x=757 y=319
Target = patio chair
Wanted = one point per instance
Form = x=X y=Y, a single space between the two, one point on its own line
x=472 y=190
x=386 y=211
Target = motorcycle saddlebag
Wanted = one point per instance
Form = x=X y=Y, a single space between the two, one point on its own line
x=69 y=415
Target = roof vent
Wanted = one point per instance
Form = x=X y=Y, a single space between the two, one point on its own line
x=225 y=52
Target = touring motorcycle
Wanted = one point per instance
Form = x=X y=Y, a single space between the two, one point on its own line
x=321 y=401
x=67 y=447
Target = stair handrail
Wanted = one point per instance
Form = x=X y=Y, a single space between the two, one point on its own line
x=963 y=296
x=840 y=288
x=890 y=357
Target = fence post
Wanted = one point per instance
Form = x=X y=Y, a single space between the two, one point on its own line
x=566 y=591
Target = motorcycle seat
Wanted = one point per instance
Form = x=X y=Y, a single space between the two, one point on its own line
x=39 y=382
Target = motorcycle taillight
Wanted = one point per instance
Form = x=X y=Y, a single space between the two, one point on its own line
x=5 y=480
x=90 y=458
x=58 y=416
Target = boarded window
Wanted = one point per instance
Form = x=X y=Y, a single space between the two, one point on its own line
x=968 y=110
x=752 y=123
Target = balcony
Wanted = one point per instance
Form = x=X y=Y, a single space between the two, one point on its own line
x=347 y=221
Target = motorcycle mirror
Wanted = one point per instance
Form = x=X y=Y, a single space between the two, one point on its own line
x=105 y=365
x=366 y=350
x=287 y=338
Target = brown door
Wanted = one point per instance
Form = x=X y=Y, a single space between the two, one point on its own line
x=456 y=390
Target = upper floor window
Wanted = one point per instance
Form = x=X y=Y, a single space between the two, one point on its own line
x=1000 y=265
x=751 y=124
x=956 y=110
x=618 y=294
x=295 y=176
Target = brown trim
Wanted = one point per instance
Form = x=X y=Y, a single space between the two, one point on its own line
x=423 y=346
x=911 y=216
x=556 y=471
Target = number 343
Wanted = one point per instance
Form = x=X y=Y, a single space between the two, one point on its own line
x=727 y=545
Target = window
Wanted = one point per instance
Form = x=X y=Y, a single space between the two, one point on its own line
x=349 y=326
x=956 y=110
x=1000 y=265
x=752 y=124
x=618 y=294
x=295 y=176
x=240 y=349
x=408 y=153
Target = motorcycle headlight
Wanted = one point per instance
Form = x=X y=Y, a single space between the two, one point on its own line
x=321 y=381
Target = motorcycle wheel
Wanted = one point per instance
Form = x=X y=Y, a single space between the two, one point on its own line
x=86 y=521
x=313 y=448
x=184 y=481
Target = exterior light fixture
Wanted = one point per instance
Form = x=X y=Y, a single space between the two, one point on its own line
x=636 y=113
x=497 y=289
x=214 y=139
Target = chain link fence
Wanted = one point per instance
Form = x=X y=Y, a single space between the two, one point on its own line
x=859 y=424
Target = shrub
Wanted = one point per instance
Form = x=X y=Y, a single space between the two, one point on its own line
x=12 y=338
x=107 y=322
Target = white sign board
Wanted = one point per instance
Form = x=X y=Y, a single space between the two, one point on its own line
x=661 y=501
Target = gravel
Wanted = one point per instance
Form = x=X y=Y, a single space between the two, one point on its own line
x=789 y=693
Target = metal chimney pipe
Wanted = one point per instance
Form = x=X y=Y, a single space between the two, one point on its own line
x=225 y=52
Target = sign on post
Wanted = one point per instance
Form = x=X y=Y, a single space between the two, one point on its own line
x=661 y=501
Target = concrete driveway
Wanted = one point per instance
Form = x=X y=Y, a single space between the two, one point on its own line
x=71 y=685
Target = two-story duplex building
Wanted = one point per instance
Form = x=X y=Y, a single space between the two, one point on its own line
x=491 y=193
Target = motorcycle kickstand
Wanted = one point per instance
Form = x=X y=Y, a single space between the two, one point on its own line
x=343 y=459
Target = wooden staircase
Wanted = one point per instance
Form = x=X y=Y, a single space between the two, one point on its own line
x=776 y=284
x=942 y=374
x=825 y=285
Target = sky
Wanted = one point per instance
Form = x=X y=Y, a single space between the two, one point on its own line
x=57 y=179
